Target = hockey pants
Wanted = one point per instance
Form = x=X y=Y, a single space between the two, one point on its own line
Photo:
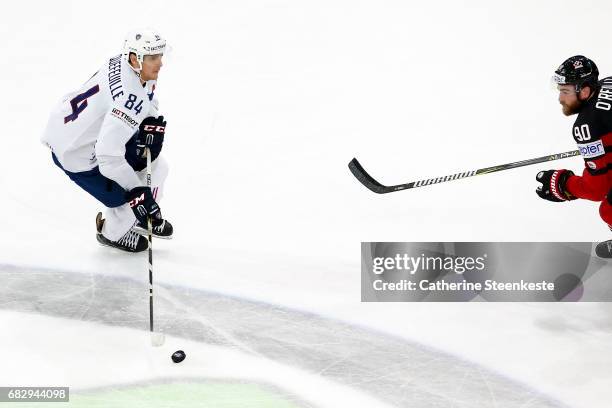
x=119 y=216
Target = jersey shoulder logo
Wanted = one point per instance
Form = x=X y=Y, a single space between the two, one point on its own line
x=590 y=150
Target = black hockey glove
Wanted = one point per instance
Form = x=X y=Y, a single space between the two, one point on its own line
x=553 y=185
x=151 y=135
x=151 y=132
x=143 y=204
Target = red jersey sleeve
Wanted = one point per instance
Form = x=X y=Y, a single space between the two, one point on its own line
x=596 y=179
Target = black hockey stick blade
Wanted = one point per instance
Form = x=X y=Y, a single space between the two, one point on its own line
x=371 y=183
x=365 y=179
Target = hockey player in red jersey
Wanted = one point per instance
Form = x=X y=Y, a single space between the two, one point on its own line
x=581 y=92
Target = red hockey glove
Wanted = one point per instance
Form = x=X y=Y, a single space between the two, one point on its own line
x=553 y=185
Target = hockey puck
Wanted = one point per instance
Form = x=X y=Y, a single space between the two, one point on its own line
x=178 y=356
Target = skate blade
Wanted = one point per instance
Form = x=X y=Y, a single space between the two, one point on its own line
x=105 y=243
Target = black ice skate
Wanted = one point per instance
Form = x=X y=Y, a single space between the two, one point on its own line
x=604 y=249
x=130 y=242
x=163 y=230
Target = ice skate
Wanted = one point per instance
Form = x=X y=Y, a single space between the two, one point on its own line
x=604 y=249
x=163 y=230
x=130 y=242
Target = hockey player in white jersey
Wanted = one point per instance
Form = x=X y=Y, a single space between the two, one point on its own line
x=98 y=135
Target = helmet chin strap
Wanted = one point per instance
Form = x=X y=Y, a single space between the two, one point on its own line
x=581 y=102
x=137 y=70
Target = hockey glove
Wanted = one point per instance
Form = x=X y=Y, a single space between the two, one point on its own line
x=151 y=135
x=151 y=132
x=553 y=185
x=144 y=206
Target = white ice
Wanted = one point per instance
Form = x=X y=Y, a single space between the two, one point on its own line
x=266 y=103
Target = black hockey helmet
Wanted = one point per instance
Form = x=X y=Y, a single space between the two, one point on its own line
x=577 y=70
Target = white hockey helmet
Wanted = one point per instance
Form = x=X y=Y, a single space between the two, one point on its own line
x=143 y=42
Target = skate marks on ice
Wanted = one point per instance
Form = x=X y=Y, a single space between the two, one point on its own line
x=393 y=370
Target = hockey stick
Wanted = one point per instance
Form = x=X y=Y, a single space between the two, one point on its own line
x=369 y=181
x=157 y=339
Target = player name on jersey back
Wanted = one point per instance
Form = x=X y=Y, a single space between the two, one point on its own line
x=114 y=77
x=604 y=97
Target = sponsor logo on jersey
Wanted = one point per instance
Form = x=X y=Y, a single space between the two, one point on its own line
x=590 y=150
x=124 y=118
x=591 y=165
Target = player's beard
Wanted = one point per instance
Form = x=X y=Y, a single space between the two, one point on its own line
x=571 y=109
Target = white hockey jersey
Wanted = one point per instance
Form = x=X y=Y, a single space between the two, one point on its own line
x=90 y=127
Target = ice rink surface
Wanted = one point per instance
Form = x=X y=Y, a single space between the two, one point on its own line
x=266 y=103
